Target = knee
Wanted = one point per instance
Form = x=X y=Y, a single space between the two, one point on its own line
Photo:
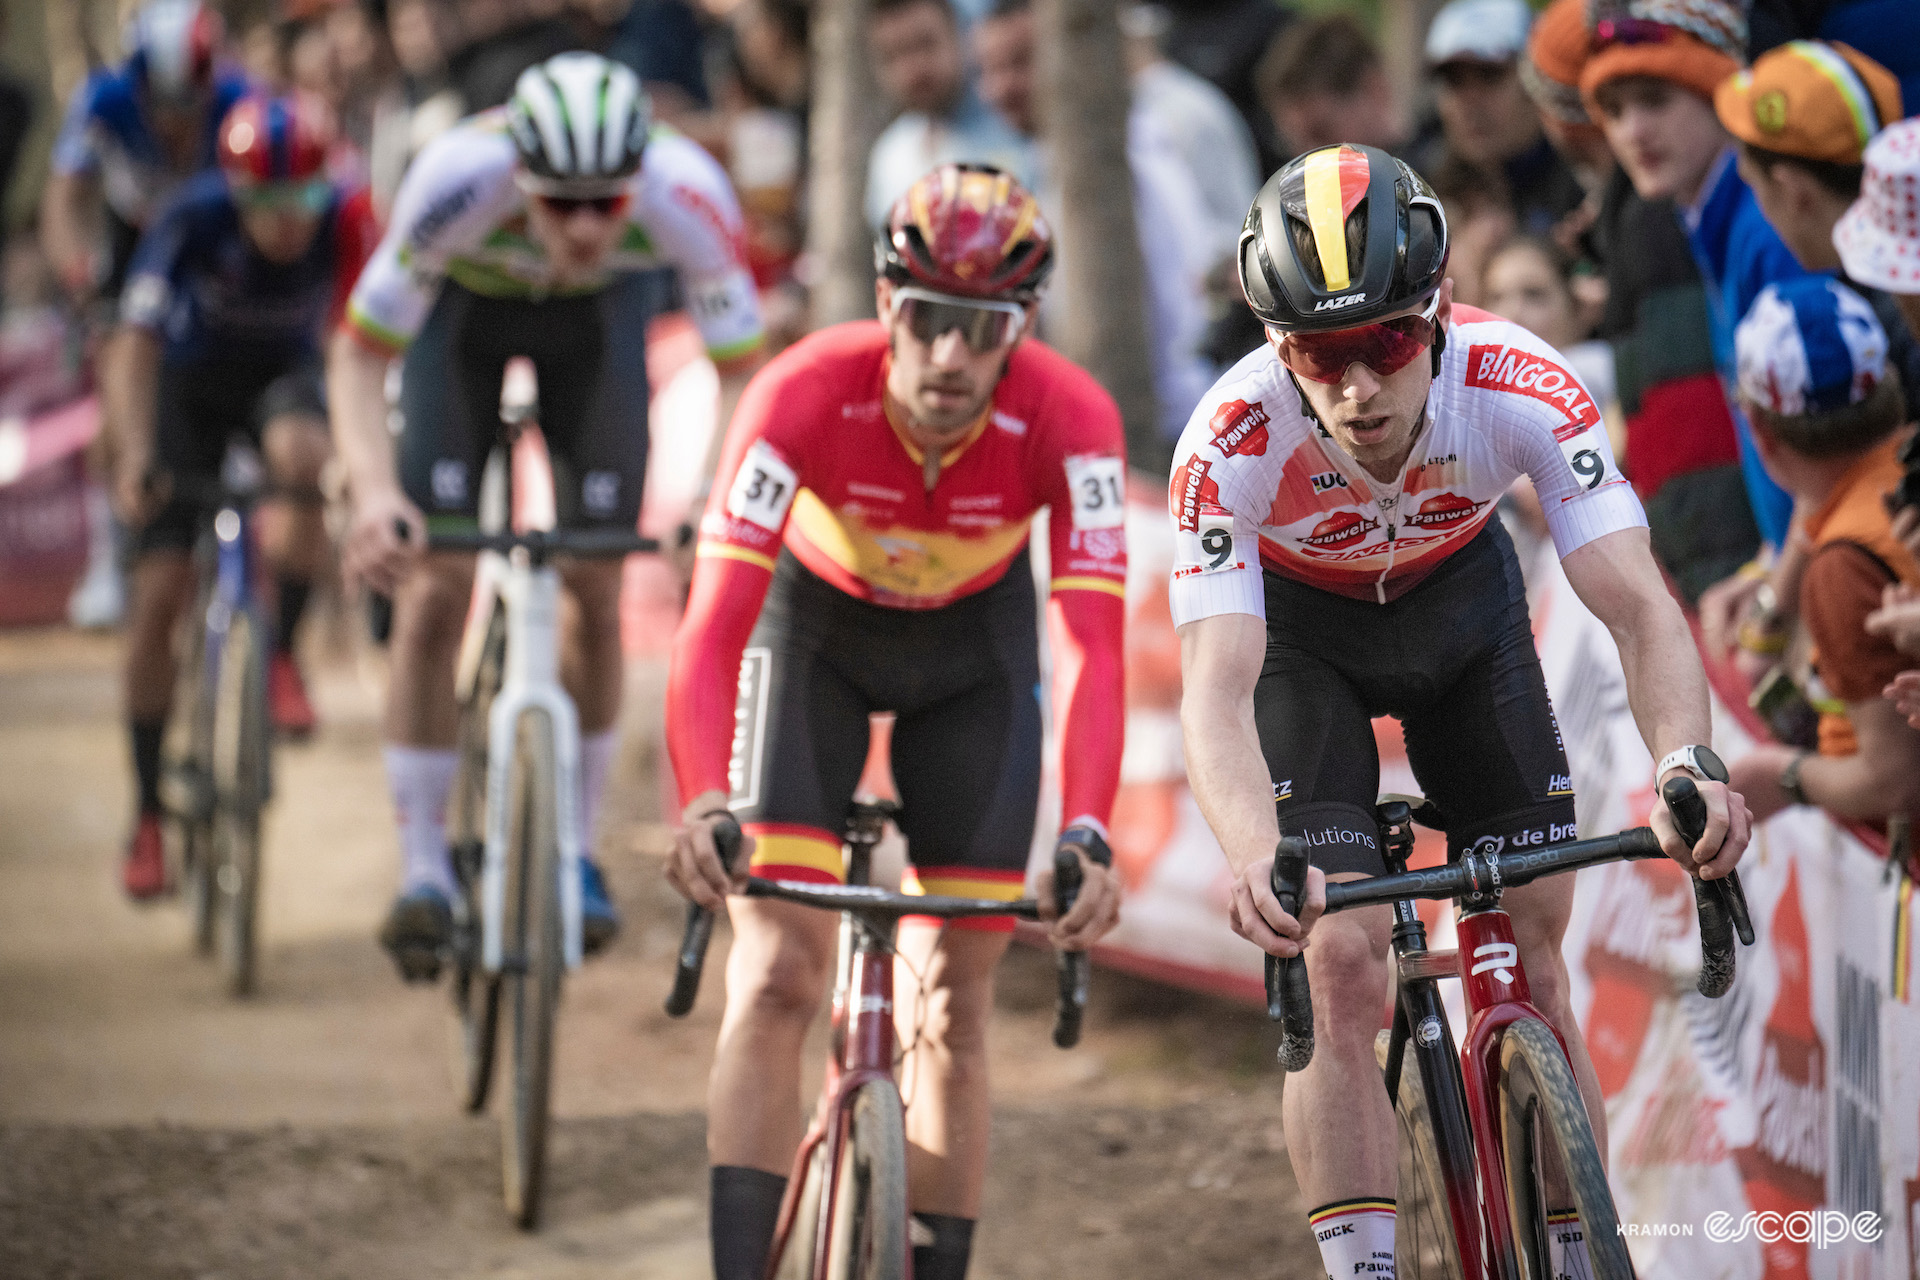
x=781 y=985
x=595 y=588
x=431 y=607
x=1348 y=968
x=954 y=1019
x=296 y=448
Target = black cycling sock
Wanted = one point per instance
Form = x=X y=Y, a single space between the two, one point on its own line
x=947 y=1256
x=293 y=603
x=745 y=1210
x=147 y=735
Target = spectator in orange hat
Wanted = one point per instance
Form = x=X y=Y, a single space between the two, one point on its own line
x=1803 y=115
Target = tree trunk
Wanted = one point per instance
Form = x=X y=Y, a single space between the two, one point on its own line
x=1103 y=324
x=847 y=117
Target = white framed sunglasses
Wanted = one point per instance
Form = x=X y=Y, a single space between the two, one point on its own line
x=984 y=324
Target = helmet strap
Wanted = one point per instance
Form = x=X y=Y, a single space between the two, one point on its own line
x=1439 y=347
x=1306 y=406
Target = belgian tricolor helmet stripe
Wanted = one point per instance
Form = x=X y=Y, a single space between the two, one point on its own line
x=1336 y=183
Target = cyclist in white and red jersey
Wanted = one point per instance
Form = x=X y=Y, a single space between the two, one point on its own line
x=865 y=550
x=1337 y=559
x=519 y=232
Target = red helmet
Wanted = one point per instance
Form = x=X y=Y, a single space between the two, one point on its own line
x=967 y=229
x=275 y=139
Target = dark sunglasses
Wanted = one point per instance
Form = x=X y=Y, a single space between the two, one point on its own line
x=984 y=325
x=567 y=206
x=1386 y=347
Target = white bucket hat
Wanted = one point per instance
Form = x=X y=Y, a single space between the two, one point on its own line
x=1879 y=236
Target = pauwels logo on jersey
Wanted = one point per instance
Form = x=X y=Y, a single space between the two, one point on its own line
x=1342 y=529
x=1193 y=488
x=1240 y=428
x=1443 y=511
x=1497 y=367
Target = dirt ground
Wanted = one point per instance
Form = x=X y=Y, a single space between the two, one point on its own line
x=150 y=1127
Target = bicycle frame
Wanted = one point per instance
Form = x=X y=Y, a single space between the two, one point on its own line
x=862 y=1039
x=1487 y=962
x=235 y=562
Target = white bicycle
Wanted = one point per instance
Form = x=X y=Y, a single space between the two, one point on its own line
x=514 y=819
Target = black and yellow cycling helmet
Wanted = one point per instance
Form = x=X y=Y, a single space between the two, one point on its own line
x=1339 y=237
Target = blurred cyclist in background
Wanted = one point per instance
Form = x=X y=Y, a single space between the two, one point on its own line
x=518 y=233
x=132 y=135
x=227 y=298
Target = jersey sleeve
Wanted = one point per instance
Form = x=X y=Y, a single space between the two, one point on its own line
x=74 y=150
x=688 y=208
x=1216 y=548
x=156 y=270
x=355 y=237
x=1544 y=423
x=1083 y=475
x=760 y=472
x=451 y=197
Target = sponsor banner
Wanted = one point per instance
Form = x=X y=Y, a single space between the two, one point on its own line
x=1747 y=1135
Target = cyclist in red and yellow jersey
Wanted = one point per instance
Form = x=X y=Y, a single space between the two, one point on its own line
x=865 y=550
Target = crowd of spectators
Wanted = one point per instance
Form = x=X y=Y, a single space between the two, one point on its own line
x=1701 y=203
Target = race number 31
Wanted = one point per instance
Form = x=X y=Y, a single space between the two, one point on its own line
x=763 y=488
x=1099 y=491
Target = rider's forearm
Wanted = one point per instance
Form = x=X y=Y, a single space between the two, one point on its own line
x=129 y=377
x=357 y=401
x=1220 y=659
x=1666 y=685
x=64 y=227
x=1090 y=689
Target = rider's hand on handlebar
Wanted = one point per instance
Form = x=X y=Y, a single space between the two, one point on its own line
x=1256 y=915
x=375 y=552
x=693 y=867
x=1729 y=827
x=1095 y=911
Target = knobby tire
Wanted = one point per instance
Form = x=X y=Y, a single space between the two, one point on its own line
x=476 y=993
x=1424 y=1247
x=867 y=1226
x=240 y=783
x=532 y=987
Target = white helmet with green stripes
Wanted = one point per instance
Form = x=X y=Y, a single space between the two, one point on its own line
x=580 y=122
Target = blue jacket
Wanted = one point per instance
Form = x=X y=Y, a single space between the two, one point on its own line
x=1740 y=254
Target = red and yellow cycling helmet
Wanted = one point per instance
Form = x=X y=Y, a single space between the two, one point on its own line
x=969 y=230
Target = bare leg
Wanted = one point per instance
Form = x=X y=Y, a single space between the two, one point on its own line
x=429 y=612
x=1343 y=1139
x=945 y=1077
x=777 y=973
x=590 y=665
x=162 y=587
x=293 y=535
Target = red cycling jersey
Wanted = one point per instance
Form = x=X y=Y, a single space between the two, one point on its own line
x=814 y=461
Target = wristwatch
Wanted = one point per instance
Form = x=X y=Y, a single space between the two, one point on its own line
x=1790 y=779
x=1698 y=761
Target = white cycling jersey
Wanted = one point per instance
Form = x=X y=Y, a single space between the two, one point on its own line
x=460 y=216
x=1257 y=484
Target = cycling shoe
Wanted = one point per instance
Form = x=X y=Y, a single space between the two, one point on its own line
x=144 y=872
x=599 y=922
x=417 y=933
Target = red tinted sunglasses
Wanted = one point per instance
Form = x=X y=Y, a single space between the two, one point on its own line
x=1386 y=347
x=567 y=206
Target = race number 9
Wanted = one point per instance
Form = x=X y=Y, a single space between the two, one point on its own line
x=1209 y=548
x=1589 y=466
x=1099 y=491
x=763 y=488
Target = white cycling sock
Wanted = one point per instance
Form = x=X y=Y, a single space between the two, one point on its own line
x=596 y=760
x=1355 y=1238
x=421 y=779
x=1567 y=1246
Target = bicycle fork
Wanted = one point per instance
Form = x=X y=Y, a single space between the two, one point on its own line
x=530 y=682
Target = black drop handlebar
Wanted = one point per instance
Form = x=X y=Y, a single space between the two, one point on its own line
x=1721 y=904
x=543 y=544
x=875 y=902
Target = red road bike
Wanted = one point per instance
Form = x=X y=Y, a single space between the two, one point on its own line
x=845 y=1213
x=1487 y=1130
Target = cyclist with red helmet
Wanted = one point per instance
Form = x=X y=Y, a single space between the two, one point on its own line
x=132 y=134
x=227 y=299
x=866 y=550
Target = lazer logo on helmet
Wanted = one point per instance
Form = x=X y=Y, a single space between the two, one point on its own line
x=1338 y=304
x=1341 y=529
x=1240 y=428
x=1502 y=368
x=1192 y=489
x=1443 y=510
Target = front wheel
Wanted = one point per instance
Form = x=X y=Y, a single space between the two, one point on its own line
x=532 y=965
x=867 y=1219
x=476 y=993
x=1425 y=1245
x=240 y=792
x=1541 y=1111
